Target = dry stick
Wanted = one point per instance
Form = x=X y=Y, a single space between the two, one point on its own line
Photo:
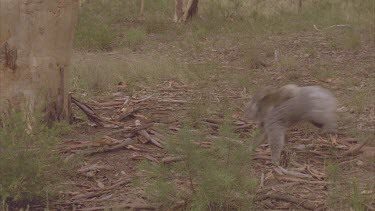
x=147 y=157
x=119 y=206
x=293 y=179
x=262 y=180
x=93 y=167
x=304 y=203
x=172 y=159
x=245 y=126
x=356 y=150
x=171 y=101
x=149 y=138
x=145 y=134
x=108 y=104
x=141 y=100
x=315 y=173
x=279 y=187
x=89 y=112
x=339 y=25
x=280 y=170
x=123 y=116
x=125 y=143
x=96 y=192
x=131 y=130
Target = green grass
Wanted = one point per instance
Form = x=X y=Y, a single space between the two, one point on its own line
x=215 y=179
x=29 y=164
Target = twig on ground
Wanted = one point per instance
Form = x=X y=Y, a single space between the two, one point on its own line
x=281 y=171
x=172 y=159
x=93 y=167
x=147 y=136
x=147 y=157
x=356 y=150
x=339 y=25
x=304 y=203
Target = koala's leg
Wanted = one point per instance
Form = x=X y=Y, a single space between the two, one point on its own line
x=276 y=137
x=258 y=140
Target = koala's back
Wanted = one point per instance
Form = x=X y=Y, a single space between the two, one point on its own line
x=311 y=103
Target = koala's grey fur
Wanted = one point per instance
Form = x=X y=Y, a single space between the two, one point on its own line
x=280 y=108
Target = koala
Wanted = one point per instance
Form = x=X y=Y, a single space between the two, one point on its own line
x=279 y=108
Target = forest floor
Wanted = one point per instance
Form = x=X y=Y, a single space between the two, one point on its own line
x=134 y=121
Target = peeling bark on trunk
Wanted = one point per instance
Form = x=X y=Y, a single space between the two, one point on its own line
x=36 y=38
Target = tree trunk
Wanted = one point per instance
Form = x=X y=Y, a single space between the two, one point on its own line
x=141 y=10
x=36 y=38
x=191 y=10
x=178 y=11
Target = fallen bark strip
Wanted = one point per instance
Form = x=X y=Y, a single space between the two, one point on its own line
x=355 y=150
x=293 y=179
x=300 y=202
x=245 y=126
x=124 y=115
x=132 y=130
x=133 y=206
x=172 y=159
x=281 y=171
x=124 y=144
x=147 y=157
x=171 y=101
x=93 y=167
x=108 y=104
x=147 y=136
x=96 y=192
x=278 y=187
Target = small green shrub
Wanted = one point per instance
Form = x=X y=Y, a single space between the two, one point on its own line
x=216 y=179
x=28 y=161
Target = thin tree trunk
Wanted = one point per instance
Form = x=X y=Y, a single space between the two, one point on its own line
x=178 y=10
x=191 y=10
x=141 y=11
x=36 y=38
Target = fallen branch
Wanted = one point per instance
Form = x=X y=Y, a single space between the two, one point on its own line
x=315 y=173
x=147 y=136
x=356 y=150
x=301 y=202
x=89 y=112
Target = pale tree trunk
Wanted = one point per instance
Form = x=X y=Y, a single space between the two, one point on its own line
x=36 y=38
x=141 y=10
x=183 y=16
x=191 y=10
x=178 y=11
